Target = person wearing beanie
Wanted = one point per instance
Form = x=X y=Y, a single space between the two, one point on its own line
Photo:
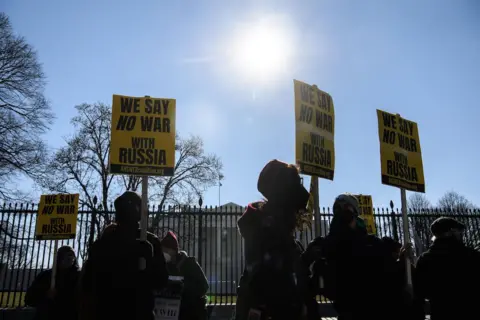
x=112 y=276
x=275 y=281
x=60 y=302
x=356 y=269
x=447 y=274
x=195 y=284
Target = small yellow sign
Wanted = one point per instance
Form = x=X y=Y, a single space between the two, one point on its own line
x=314 y=131
x=57 y=217
x=366 y=212
x=143 y=136
x=400 y=153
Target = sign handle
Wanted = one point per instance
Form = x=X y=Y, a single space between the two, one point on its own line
x=316 y=201
x=406 y=235
x=144 y=217
x=54 y=267
x=142 y=263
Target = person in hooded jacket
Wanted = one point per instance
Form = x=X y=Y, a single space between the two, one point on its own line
x=274 y=283
x=61 y=302
x=113 y=286
x=448 y=273
x=357 y=278
x=195 y=285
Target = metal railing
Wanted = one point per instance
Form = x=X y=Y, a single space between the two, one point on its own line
x=208 y=233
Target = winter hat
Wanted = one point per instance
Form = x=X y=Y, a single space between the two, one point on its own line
x=65 y=249
x=170 y=241
x=445 y=224
x=279 y=181
x=346 y=206
x=128 y=207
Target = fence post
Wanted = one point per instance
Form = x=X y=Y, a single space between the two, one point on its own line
x=394 y=222
x=200 y=231
x=93 y=222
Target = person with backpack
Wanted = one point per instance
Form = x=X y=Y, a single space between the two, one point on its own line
x=195 y=284
x=60 y=302
x=113 y=284
x=274 y=284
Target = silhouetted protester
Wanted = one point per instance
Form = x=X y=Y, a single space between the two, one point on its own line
x=112 y=284
x=195 y=284
x=448 y=273
x=59 y=303
x=356 y=278
x=271 y=284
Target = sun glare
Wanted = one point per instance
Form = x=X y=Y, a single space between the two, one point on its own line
x=261 y=51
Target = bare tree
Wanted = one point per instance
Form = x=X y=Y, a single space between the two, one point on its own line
x=195 y=172
x=82 y=165
x=418 y=203
x=454 y=202
x=25 y=113
x=130 y=183
x=14 y=244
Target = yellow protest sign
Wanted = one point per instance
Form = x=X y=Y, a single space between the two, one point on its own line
x=366 y=212
x=57 y=217
x=400 y=153
x=143 y=136
x=314 y=131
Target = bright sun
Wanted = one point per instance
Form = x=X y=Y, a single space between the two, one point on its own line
x=261 y=52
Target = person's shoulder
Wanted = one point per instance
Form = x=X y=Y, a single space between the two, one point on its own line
x=424 y=258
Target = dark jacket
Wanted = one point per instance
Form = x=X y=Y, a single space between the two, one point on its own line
x=358 y=276
x=448 y=274
x=64 y=303
x=195 y=286
x=271 y=280
x=112 y=287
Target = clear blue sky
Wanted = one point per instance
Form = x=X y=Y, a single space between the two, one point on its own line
x=416 y=58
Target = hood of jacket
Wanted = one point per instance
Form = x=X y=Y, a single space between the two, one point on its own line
x=251 y=220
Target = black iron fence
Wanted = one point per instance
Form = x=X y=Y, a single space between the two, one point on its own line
x=209 y=234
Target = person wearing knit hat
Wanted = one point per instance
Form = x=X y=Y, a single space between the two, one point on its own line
x=356 y=272
x=128 y=208
x=170 y=246
x=113 y=267
x=60 y=302
x=195 y=284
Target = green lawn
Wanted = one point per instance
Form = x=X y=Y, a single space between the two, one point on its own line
x=16 y=299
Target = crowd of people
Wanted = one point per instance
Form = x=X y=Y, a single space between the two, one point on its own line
x=363 y=275
x=113 y=283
